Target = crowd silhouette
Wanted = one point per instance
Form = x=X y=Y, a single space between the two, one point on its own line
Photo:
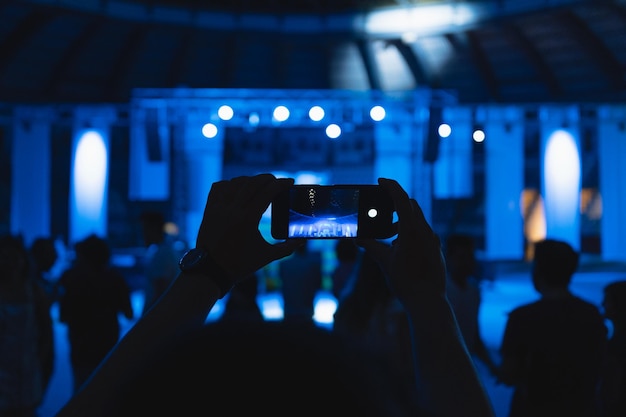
x=396 y=311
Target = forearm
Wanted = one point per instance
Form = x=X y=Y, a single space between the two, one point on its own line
x=447 y=381
x=188 y=301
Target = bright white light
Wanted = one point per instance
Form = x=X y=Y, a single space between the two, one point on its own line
x=254 y=119
x=562 y=177
x=372 y=212
x=377 y=113
x=444 y=130
x=324 y=309
x=478 y=135
x=209 y=130
x=225 y=112
x=316 y=113
x=281 y=113
x=90 y=175
x=420 y=19
x=333 y=131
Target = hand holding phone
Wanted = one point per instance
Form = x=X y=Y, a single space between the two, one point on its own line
x=332 y=212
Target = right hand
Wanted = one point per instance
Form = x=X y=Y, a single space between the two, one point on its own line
x=413 y=263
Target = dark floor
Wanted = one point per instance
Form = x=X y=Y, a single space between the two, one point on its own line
x=510 y=287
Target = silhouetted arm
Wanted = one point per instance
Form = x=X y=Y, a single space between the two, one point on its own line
x=447 y=381
x=229 y=233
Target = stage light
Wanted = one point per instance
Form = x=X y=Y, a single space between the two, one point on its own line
x=377 y=113
x=281 y=113
x=316 y=113
x=333 y=131
x=478 y=135
x=254 y=119
x=444 y=130
x=209 y=130
x=225 y=112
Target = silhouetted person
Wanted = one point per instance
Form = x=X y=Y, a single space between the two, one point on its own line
x=171 y=363
x=370 y=316
x=92 y=294
x=160 y=259
x=553 y=349
x=242 y=304
x=463 y=289
x=43 y=256
x=613 y=386
x=25 y=336
x=301 y=279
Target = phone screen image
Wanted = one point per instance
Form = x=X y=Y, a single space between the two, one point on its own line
x=323 y=212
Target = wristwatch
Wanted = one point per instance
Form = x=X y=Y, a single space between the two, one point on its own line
x=198 y=261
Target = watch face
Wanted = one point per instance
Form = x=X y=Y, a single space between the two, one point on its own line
x=192 y=258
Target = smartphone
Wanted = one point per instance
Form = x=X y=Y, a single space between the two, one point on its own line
x=332 y=212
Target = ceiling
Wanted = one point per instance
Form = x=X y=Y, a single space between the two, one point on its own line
x=95 y=51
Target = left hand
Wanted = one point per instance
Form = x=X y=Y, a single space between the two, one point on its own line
x=230 y=225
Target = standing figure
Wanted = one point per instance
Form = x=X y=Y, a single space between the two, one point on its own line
x=91 y=295
x=613 y=386
x=463 y=289
x=347 y=253
x=25 y=339
x=553 y=349
x=301 y=279
x=160 y=260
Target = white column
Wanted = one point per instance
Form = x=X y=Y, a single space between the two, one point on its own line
x=561 y=173
x=89 y=172
x=30 y=173
x=399 y=157
x=612 y=182
x=504 y=182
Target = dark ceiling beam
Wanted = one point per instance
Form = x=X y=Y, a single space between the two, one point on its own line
x=595 y=48
x=111 y=88
x=410 y=57
x=23 y=32
x=180 y=57
x=70 y=56
x=367 y=54
x=480 y=58
x=546 y=74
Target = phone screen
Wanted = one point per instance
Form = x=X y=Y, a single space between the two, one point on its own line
x=323 y=212
x=332 y=212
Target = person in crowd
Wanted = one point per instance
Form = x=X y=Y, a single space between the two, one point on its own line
x=25 y=337
x=613 y=385
x=347 y=254
x=301 y=279
x=160 y=259
x=371 y=316
x=464 y=292
x=242 y=303
x=43 y=255
x=553 y=349
x=171 y=363
x=92 y=293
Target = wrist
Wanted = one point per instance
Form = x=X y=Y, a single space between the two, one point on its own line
x=197 y=261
